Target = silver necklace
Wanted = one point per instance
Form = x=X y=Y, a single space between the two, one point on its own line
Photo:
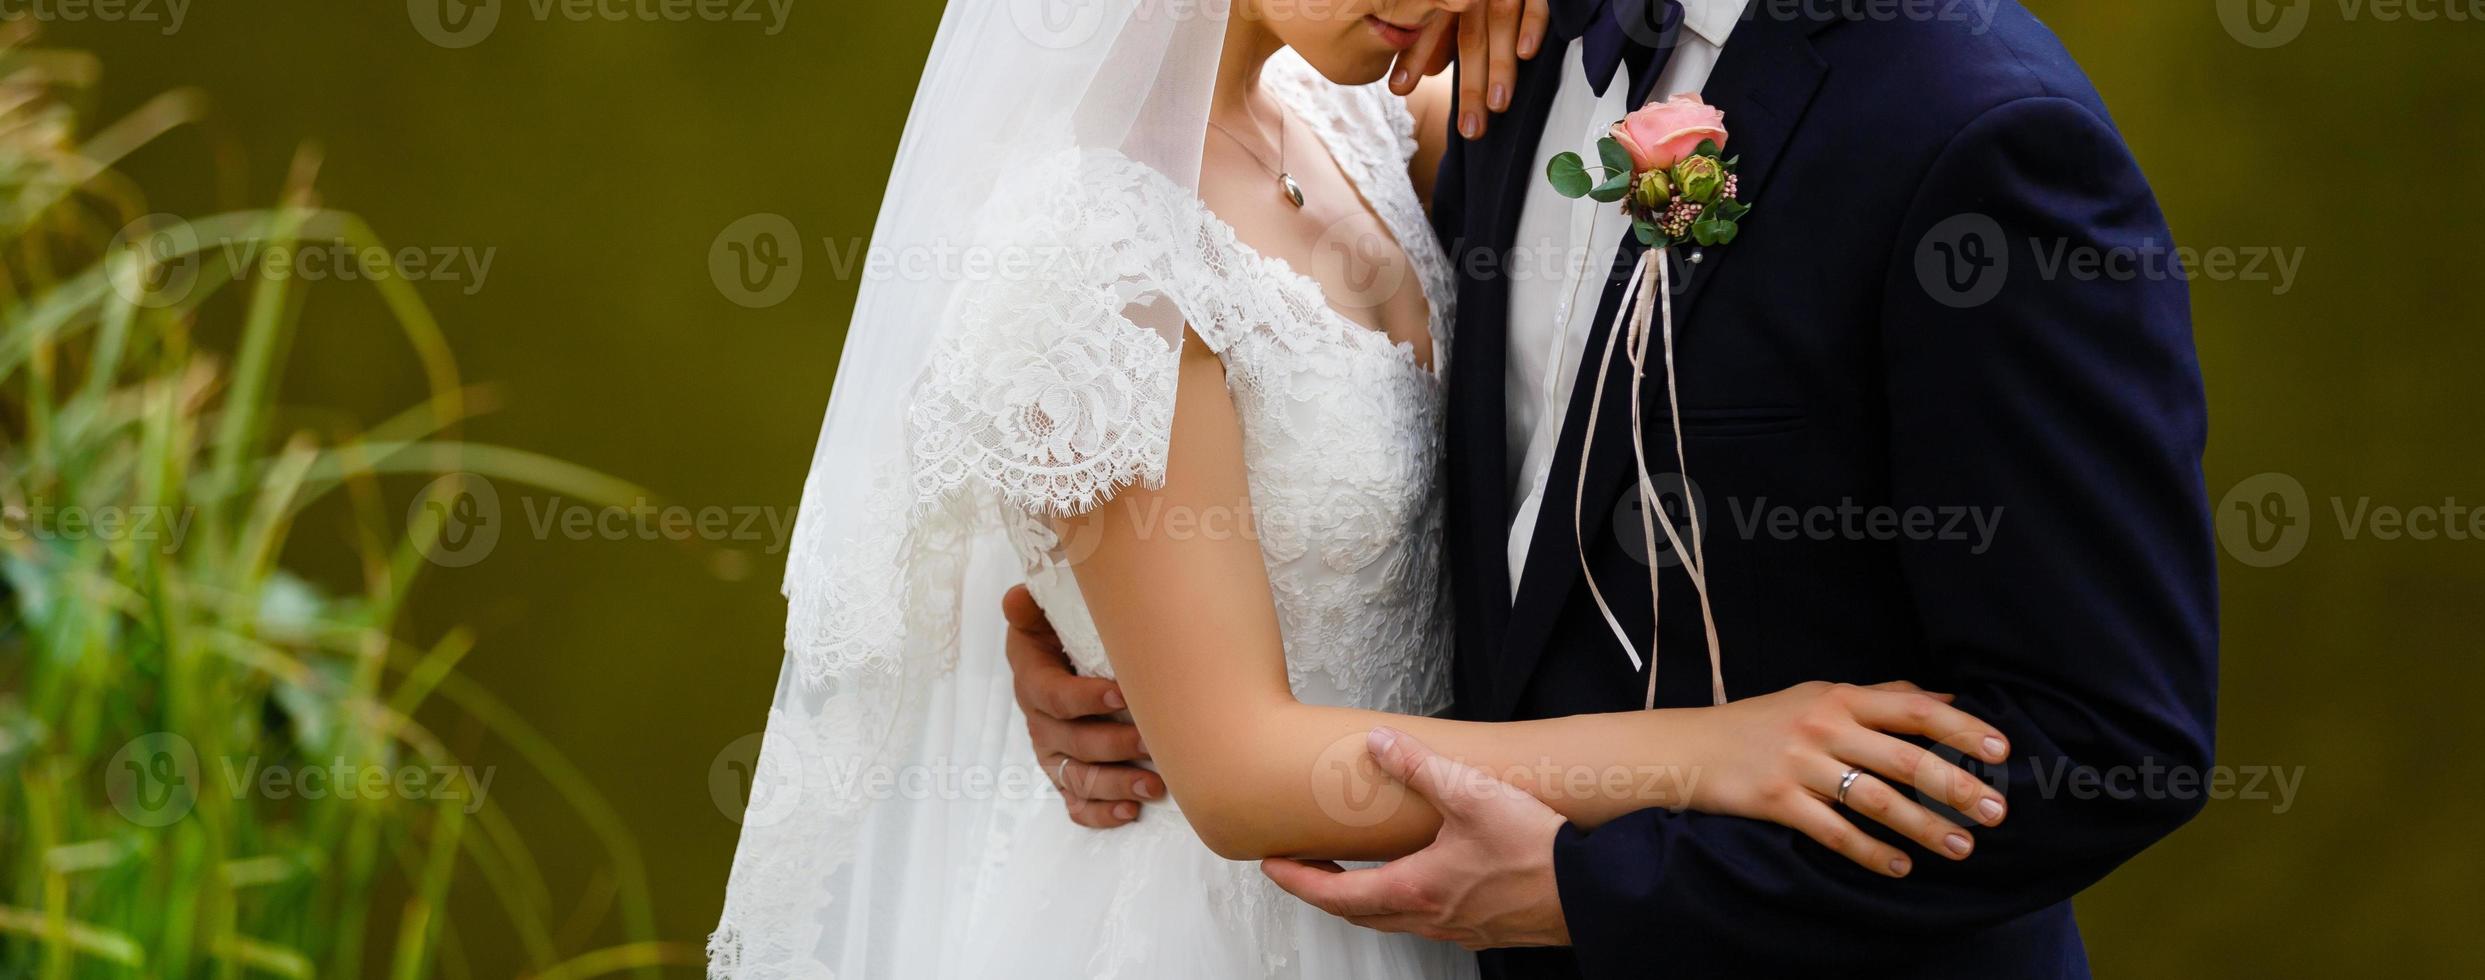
x=1285 y=181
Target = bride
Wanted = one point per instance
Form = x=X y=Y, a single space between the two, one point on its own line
x=1180 y=371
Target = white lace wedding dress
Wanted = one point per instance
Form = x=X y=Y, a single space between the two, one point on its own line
x=1342 y=434
x=1342 y=438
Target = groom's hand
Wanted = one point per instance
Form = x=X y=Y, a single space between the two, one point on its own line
x=1084 y=749
x=1485 y=881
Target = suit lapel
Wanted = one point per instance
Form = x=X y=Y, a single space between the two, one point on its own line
x=1764 y=81
x=1495 y=175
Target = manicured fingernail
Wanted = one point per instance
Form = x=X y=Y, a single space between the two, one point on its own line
x=1148 y=790
x=1899 y=866
x=1957 y=843
x=1380 y=740
x=1470 y=125
x=1501 y=96
x=1113 y=700
x=1141 y=745
x=1529 y=43
x=1989 y=810
x=1995 y=749
x=1397 y=79
x=1127 y=811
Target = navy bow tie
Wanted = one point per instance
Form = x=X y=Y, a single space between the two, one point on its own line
x=1616 y=32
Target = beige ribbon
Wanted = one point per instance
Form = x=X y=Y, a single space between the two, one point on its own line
x=1648 y=300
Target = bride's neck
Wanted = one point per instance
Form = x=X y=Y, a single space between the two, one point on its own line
x=1248 y=46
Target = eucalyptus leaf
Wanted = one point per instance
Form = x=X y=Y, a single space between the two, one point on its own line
x=1647 y=232
x=1709 y=148
x=1612 y=189
x=1617 y=159
x=1569 y=175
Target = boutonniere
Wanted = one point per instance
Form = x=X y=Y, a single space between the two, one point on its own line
x=1665 y=165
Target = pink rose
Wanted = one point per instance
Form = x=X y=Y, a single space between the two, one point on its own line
x=1661 y=134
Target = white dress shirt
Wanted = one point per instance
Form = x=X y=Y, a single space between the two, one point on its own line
x=1564 y=251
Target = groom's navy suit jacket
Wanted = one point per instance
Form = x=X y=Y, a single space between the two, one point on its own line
x=1891 y=334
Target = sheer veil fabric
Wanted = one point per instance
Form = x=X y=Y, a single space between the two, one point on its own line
x=889 y=730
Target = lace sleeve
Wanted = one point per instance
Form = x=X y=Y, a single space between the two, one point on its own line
x=1053 y=386
x=1051 y=394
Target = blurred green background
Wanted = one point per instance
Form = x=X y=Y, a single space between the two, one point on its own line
x=599 y=160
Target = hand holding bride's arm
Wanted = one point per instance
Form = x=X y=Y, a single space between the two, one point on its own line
x=1191 y=628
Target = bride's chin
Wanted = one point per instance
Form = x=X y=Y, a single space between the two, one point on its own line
x=1358 y=67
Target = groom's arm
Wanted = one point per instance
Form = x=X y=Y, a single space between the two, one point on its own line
x=2087 y=632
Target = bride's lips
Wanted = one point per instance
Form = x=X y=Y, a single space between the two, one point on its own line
x=1395 y=35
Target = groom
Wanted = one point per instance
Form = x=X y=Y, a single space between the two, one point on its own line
x=1917 y=450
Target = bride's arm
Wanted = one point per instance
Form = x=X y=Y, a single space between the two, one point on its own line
x=1191 y=628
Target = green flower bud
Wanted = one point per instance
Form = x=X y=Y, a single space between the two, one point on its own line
x=1655 y=190
x=1700 y=178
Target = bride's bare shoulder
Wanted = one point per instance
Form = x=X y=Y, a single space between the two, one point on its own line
x=1430 y=105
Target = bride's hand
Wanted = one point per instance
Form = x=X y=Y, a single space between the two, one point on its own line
x=1780 y=757
x=1489 y=37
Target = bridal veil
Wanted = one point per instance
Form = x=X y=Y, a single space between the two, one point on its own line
x=1004 y=353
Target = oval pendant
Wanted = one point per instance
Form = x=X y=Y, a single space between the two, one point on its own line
x=1294 y=191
